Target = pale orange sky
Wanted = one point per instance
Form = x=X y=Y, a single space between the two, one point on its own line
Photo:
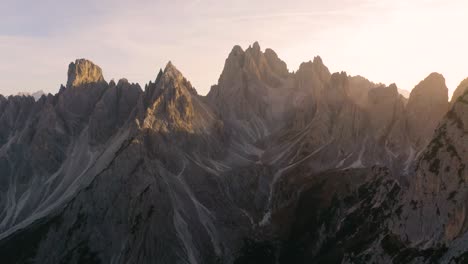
x=384 y=41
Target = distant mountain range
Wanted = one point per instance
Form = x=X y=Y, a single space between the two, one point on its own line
x=36 y=95
x=404 y=92
x=269 y=167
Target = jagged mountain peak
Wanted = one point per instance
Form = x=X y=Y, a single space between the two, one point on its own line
x=435 y=76
x=427 y=104
x=83 y=71
x=85 y=86
x=434 y=82
x=432 y=88
x=168 y=101
x=318 y=60
x=256 y=45
x=253 y=62
x=237 y=49
x=170 y=79
x=315 y=67
x=278 y=66
x=249 y=83
x=254 y=48
x=171 y=71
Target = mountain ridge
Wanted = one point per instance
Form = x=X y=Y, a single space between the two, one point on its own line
x=162 y=174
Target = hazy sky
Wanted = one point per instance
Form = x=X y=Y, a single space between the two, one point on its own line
x=386 y=41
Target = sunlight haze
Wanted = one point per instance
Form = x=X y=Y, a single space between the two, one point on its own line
x=384 y=41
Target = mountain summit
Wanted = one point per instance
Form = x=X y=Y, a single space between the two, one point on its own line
x=427 y=104
x=82 y=72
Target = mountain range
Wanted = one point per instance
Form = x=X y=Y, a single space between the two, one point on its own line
x=271 y=166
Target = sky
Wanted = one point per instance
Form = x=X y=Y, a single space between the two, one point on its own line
x=387 y=41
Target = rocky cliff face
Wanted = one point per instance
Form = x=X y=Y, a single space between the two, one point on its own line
x=269 y=167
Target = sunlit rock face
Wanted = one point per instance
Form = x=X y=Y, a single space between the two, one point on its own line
x=170 y=104
x=82 y=72
x=270 y=167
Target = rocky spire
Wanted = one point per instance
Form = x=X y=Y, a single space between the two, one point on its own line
x=254 y=64
x=85 y=86
x=313 y=74
x=278 y=66
x=248 y=79
x=427 y=104
x=83 y=71
x=256 y=46
x=168 y=101
x=170 y=71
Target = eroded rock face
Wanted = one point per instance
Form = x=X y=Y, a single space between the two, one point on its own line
x=270 y=166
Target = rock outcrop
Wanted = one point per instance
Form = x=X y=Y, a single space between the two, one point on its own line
x=82 y=72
